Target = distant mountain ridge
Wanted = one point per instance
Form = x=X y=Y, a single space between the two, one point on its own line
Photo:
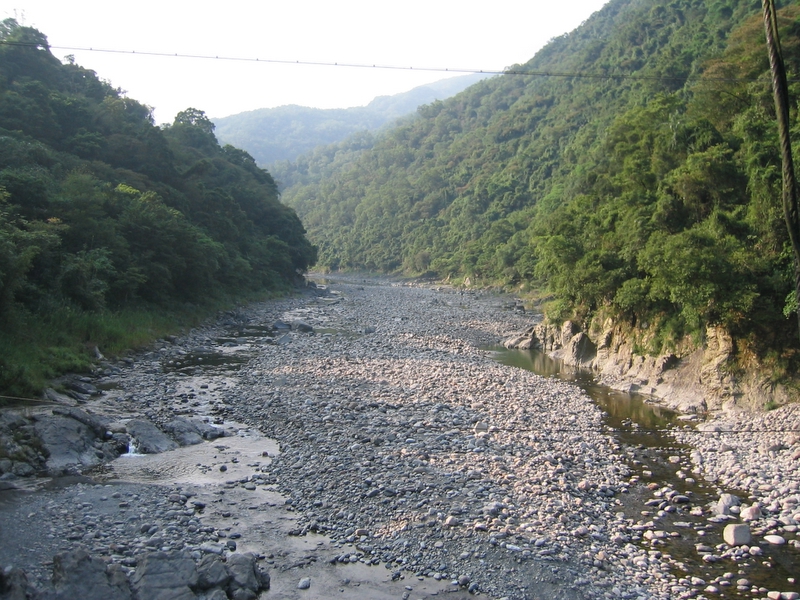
x=283 y=133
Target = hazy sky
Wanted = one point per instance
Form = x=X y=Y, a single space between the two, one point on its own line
x=454 y=34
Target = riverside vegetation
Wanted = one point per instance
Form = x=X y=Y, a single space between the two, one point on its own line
x=629 y=171
x=114 y=231
x=403 y=460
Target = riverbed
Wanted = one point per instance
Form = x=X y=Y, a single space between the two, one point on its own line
x=377 y=448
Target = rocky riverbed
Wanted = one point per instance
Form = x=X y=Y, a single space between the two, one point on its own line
x=357 y=442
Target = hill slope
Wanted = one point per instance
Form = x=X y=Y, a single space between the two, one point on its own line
x=277 y=134
x=631 y=168
x=102 y=212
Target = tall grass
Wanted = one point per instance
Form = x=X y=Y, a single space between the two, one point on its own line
x=35 y=348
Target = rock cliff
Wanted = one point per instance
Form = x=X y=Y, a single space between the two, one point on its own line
x=690 y=379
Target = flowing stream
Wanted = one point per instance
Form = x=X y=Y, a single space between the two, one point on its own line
x=644 y=432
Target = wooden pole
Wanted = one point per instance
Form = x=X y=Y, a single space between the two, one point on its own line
x=780 y=90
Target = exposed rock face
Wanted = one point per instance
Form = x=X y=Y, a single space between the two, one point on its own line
x=691 y=380
x=579 y=351
x=78 y=575
x=162 y=576
x=71 y=440
x=74 y=440
x=158 y=576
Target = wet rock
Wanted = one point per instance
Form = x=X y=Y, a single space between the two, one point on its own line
x=149 y=438
x=302 y=327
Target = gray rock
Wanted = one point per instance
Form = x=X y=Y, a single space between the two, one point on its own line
x=150 y=439
x=211 y=573
x=53 y=396
x=22 y=469
x=82 y=387
x=725 y=502
x=212 y=548
x=579 y=350
x=162 y=576
x=183 y=431
x=246 y=575
x=188 y=432
x=304 y=583
x=78 y=575
x=736 y=534
x=14 y=584
x=69 y=443
x=215 y=594
x=97 y=424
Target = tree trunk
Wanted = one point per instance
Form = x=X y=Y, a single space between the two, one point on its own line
x=780 y=91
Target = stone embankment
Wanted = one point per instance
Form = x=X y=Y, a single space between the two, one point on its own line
x=400 y=461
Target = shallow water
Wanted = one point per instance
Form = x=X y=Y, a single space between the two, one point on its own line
x=643 y=429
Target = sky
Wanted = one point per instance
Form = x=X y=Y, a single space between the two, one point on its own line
x=432 y=34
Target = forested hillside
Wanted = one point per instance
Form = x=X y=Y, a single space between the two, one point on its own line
x=103 y=213
x=630 y=168
x=272 y=135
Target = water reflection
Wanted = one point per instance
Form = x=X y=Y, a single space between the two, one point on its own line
x=645 y=429
x=622 y=408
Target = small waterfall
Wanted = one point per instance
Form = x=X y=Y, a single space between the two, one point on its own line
x=133 y=448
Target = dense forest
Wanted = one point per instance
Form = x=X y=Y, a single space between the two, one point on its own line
x=104 y=215
x=272 y=135
x=630 y=169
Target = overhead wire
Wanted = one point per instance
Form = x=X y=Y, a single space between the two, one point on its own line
x=562 y=74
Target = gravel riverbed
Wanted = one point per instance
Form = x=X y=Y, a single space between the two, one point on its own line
x=376 y=450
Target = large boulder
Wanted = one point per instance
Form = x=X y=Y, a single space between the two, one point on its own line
x=69 y=443
x=163 y=576
x=578 y=351
x=14 y=585
x=149 y=438
x=78 y=575
x=247 y=579
x=188 y=432
x=211 y=573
